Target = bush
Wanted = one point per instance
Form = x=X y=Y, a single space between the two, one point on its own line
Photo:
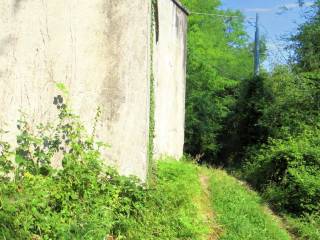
x=80 y=200
x=287 y=171
x=306 y=227
x=83 y=199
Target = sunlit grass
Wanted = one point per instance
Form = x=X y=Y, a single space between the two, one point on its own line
x=241 y=212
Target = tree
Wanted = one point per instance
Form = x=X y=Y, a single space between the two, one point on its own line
x=219 y=58
x=306 y=43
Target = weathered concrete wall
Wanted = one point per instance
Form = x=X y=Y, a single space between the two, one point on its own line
x=99 y=49
x=170 y=77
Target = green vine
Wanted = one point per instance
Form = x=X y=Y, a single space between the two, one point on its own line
x=154 y=8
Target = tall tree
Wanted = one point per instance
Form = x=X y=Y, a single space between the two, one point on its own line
x=306 y=42
x=219 y=58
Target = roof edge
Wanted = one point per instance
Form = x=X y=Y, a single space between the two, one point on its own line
x=183 y=8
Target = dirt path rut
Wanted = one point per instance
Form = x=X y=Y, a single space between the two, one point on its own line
x=206 y=206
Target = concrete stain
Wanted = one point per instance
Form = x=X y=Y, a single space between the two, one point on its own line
x=100 y=50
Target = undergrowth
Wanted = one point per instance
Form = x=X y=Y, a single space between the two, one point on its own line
x=170 y=211
x=80 y=198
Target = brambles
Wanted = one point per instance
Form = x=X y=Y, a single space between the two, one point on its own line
x=82 y=198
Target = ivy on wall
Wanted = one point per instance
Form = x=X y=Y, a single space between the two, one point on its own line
x=154 y=28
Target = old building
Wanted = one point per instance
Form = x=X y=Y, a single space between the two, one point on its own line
x=102 y=51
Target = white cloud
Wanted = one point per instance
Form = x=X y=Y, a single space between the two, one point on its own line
x=290 y=6
x=258 y=10
x=280 y=8
x=309 y=4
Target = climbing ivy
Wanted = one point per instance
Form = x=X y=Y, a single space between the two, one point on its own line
x=154 y=8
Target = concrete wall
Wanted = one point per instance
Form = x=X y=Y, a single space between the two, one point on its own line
x=99 y=49
x=170 y=74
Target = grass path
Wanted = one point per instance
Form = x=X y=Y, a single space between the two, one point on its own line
x=240 y=211
x=206 y=206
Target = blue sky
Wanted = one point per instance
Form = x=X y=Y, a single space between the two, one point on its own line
x=277 y=17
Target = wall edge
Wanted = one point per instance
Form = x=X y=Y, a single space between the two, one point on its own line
x=183 y=8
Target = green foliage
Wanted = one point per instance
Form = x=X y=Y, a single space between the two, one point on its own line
x=154 y=6
x=6 y=165
x=286 y=166
x=287 y=171
x=83 y=199
x=272 y=135
x=268 y=127
x=274 y=131
x=305 y=42
x=79 y=200
x=61 y=87
x=240 y=211
x=307 y=227
x=241 y=126
x=219 y=58
x=276 y=135
x=170 y=211
x=294 y=102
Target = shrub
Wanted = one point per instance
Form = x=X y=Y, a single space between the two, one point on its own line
x=287 y=171
x=80 y=200
x=306 y=227
x=83 y=199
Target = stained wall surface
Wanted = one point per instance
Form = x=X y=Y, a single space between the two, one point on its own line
x=99 y=49
x=170 y=74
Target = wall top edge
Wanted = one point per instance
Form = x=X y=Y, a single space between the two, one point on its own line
x=183 y=8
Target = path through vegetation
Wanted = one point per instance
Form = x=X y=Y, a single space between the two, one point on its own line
x=234 y=211
x=206 y=206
